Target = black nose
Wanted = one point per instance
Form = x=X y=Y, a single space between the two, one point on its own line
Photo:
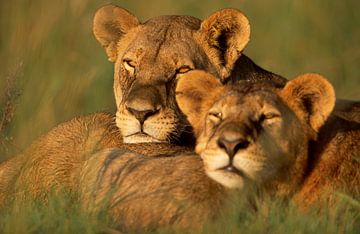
x=142 y=115
x=232 y=146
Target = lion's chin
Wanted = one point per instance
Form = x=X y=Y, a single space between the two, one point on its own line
x=141 y=138
x=227 y=179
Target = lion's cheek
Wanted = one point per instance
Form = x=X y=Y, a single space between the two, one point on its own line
x=201 y=144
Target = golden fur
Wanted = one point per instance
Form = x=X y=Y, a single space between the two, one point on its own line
x=53 y=161
x=144 y=193
x=280 y=140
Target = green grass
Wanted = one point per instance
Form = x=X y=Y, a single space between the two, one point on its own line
x=52 y=69
x=275 y=217
x=62 y=214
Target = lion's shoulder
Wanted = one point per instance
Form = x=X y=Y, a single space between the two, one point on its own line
x=334 y=162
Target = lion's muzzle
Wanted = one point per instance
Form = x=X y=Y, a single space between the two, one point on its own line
x=143 y=102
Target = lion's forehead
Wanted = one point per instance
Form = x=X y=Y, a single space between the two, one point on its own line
x=179 y=21
x=234 y=101
x=161 y=35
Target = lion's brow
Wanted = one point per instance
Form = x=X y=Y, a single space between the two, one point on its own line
x=162 y=39
x=247 y=87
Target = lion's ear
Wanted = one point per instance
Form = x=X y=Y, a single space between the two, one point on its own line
x=110 y=24
x=312 y=97
x=194 y=94
x=225 y=35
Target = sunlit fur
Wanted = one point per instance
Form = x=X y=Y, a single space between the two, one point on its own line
x=155 y=128
x=254 y=134
x=269 y=155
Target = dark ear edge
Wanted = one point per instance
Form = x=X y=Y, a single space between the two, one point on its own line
x=110 y=24
x=225 y=34
x=194 y=95
x=312 y=98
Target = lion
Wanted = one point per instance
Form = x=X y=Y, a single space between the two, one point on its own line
x=282 y=140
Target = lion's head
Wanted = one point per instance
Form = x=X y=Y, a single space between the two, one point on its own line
x=149 y=57
x=253 y=131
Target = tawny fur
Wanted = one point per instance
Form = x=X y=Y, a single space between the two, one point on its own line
x=146 y=193
x=321 y=153
x=334 y=164
x=52 y=162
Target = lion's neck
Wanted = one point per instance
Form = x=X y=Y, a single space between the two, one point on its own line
x=246 y=69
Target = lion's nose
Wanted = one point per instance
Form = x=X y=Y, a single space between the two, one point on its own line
x=143 y=102
x=142 y=114
x=232 y=144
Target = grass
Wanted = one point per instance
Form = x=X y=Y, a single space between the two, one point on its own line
x=275 y=217
x=62 y=214
x=52 y=69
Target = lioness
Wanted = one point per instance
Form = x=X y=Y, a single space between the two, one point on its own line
x=250 y=135
x=281 y=139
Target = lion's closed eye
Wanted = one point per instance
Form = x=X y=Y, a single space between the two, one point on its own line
x=129 y=65
x=183 y=69
x=215 y=116
x=270 y=117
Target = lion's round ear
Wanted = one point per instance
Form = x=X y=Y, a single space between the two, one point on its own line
x=312 y=98
x=110 y=24
x=194 y=94
x=225 y=34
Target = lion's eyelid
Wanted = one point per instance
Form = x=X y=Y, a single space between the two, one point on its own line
x=271 y=115
x=183 y=69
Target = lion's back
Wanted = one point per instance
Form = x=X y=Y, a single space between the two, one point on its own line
x=142 y=191
x=334 y=162
x=53 y=160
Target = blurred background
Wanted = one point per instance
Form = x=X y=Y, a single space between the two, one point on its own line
x=52 y=68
